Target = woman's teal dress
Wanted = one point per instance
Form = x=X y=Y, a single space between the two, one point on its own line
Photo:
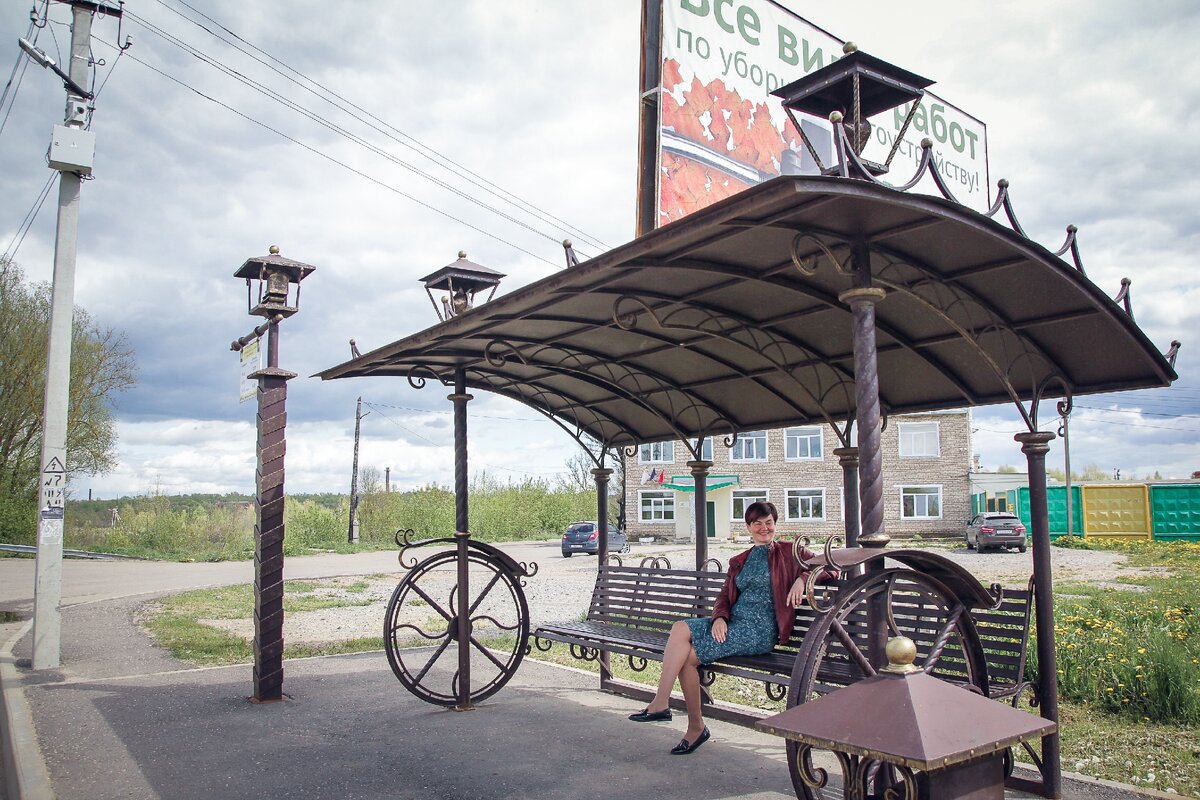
x=752 y=625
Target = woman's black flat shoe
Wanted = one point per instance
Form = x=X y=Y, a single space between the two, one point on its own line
x=683 y=748
x=646 y=715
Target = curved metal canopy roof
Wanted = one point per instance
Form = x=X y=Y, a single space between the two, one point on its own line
x=729 y=320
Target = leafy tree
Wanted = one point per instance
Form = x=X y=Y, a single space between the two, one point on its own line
x=101 y=366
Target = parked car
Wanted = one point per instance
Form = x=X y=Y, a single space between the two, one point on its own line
x=996 y=529
x=584 y=537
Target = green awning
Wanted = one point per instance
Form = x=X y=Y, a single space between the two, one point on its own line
x=686 y=483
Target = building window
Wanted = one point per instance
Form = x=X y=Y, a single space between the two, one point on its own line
x=706 y=450
x=920 y=502
x=801 y=444
x=657 y=453
x=750 y=446
x=657 y=506
x=919 y=440
x=742 y=498
x=805 y=505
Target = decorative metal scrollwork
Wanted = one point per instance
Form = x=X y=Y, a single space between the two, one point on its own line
x=807 y=271
x=613 y=558
x=655 y=562
x=716 y=565
x=707 y=676
x=584 y=653
x=542 y=644
x=813 y=777
x=775 y=691
x=417 y=380
x=637 y=663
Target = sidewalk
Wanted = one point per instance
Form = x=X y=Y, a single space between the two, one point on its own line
x=124 y=720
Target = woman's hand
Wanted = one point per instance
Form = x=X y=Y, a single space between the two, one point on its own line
x=797 y=594
x=720 y=629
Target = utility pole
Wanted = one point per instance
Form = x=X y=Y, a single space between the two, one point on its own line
x=387 y=480
x=72 y=150
x=352 y=536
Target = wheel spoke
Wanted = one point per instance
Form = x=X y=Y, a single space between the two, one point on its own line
x=943 y=637
x=437 y=654
x=851 y=646
x=433 y=603
x=499 y=665
x=495 y=577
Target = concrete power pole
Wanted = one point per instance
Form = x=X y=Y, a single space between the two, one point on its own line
x=352 y=536
x=71 y=152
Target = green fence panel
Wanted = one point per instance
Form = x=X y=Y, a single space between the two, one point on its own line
x=1056 y=507
x=1175 y=512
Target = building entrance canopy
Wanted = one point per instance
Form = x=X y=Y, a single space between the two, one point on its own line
x=729 y=321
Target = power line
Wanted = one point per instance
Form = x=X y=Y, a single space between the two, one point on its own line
x=330 y=158
x=19 y=237
x=1144 y=413
x=426 y=151
x=447 y=411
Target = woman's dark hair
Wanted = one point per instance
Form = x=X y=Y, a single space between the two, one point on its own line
x=759 y=509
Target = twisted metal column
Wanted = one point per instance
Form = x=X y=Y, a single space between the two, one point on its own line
x=862 y=302
x=462 y=622
x=1035 y=445
x=268 y=524
x=700 y=474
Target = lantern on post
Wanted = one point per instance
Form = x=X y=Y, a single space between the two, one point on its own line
x=461 y=281
x=847 y=92
x=274 y=276
x=902 y=733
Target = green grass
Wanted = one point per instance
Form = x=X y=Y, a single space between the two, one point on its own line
x=9 y=616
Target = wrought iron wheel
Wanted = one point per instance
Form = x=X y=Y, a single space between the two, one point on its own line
x=423 y=614
x=836 y=652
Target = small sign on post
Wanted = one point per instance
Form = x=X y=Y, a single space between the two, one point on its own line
x=251 y=363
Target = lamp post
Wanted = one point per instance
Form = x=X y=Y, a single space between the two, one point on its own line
x=274 y=276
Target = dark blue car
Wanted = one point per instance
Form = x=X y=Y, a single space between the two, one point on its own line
x=584 y=537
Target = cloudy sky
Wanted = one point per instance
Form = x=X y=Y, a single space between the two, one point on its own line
x=1092 y=115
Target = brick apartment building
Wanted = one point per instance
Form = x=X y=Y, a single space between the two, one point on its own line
x=926 y=463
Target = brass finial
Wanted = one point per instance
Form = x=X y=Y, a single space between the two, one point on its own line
x=835 y=117
x=849 y=47
x=462 y=253
x=567 y=243
x=901 y=653
x=273 y=250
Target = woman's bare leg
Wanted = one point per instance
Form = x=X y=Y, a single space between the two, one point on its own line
x=689 y=683
x=678 y=657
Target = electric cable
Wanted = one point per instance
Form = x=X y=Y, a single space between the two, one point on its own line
x=333 y=160
x=10 y=252
x=428 y=152
x=317 y=118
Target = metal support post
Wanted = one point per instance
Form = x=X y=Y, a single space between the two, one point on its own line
x=47 y=591
x=700 y=475
x=866 y=395
x=848 y=458
x=1035 y=445
x=601 y=476
x=462 y=623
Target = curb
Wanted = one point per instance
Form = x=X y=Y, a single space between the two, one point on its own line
x=25 y=773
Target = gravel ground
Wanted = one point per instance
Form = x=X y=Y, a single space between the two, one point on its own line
x=562 y=587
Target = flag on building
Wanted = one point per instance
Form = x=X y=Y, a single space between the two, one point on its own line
x=662 y=476
x=645 y=475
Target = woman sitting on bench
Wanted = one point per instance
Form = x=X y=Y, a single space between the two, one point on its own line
x=753 y=613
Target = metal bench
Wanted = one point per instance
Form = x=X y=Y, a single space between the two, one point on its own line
x=632 y=610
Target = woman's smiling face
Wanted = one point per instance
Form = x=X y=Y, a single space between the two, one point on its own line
x=762 y=530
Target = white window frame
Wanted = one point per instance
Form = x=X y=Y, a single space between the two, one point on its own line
x=706 y=449
x=665 y=507
x=739 y=447
x=921 y=490
x=665 y=453
x=909 y=432
x=807 y=432
x=809 y=492
x=747 y=496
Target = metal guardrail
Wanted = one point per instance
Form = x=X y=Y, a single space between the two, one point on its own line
x=31 y=550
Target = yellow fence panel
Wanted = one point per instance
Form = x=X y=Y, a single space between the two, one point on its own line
x=1118 y=512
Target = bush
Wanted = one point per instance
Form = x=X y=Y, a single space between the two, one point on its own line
x=18 y=519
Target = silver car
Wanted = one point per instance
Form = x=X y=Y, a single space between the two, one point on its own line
x=996 y=529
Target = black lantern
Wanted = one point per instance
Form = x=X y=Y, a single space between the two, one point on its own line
x=275 y=276
x=461 y=281
x=847 y=92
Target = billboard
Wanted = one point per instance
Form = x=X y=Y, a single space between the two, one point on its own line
x=720 y=132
